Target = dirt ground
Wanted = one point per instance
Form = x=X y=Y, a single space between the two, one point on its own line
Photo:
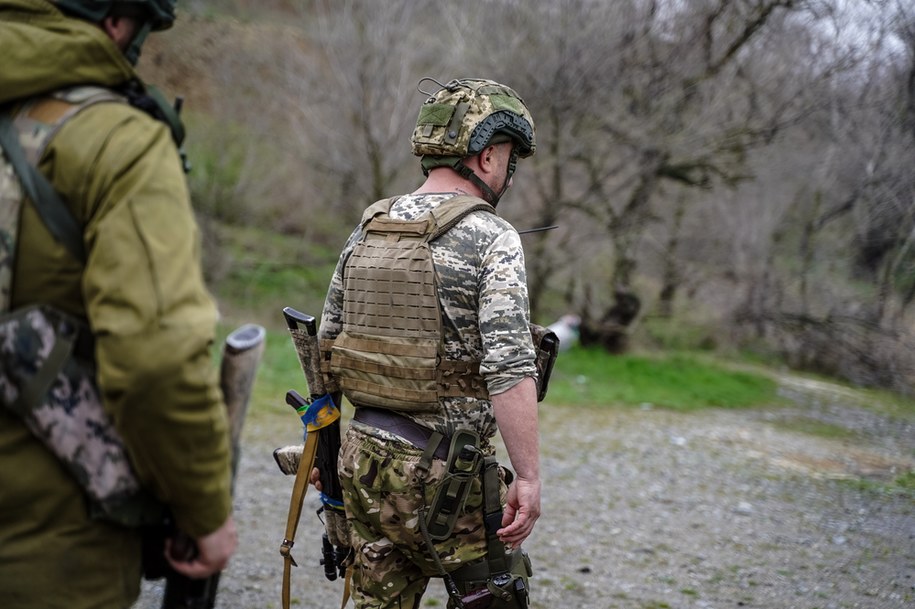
x=786 y=507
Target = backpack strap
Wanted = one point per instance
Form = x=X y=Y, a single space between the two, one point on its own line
x=38 y=120
x=51 y=208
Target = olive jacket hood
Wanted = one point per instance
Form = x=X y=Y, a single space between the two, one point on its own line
x=44 y=50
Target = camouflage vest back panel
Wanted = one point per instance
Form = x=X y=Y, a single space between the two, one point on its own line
x=389 y=354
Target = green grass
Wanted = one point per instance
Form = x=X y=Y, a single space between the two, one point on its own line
x=679 y=382
x=906 y=482
x=903 y=486
x=583 y=377
x=258 y=273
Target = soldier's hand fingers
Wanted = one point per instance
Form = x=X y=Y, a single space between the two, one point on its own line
x=214 y=551
x=517 y=531
x=194 y=569
x=521 y=511
x=315 y=479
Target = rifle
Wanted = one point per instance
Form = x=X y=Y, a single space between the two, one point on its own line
x=241 y=354
x=322 y=444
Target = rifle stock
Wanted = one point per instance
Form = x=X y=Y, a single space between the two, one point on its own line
x=303 y=330
x=242 y=352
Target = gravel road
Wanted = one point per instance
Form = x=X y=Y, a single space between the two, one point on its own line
x=650 y=509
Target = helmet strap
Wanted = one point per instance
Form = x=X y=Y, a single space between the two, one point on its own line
x=489 y=195
x=133 y=51
x=456 y=163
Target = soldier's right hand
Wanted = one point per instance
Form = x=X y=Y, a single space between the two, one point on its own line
x=522 y=509
x=213 y=552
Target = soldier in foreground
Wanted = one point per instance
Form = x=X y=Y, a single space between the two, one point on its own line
x=426 y=331
x=81 y=115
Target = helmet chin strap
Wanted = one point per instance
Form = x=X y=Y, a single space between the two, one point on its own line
x=457 y=164
x=489 y=195
x=133 y=51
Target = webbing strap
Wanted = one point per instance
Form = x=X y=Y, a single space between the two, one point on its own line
x=445 y=215
x=32 y=393
x=51 y=208
x=452 y=211
x=302 y=477
x=492 y=517
x=347 y=582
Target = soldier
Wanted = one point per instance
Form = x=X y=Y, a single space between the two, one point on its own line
x=436 y=356
x=67 y=74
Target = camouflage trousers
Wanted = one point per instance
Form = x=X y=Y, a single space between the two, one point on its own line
x=383 y=499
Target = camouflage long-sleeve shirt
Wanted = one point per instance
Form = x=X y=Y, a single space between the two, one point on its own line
x=484 y=305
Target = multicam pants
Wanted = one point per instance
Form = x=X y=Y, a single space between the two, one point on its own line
x=383 y=499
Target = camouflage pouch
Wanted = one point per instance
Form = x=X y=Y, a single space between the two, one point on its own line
x=546 y=345
x=56 y=395
x=10 y=205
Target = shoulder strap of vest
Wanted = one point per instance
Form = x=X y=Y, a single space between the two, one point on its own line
x=453 y=210
x=378 y=207
x=54 y=112
x=444 y=216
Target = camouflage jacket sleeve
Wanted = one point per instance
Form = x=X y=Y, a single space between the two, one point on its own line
x=144 y=296
x=504 y=317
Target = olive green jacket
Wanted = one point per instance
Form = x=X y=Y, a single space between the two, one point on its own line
x=141 y=288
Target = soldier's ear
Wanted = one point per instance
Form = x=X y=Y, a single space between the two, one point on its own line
x=120 y=29
x=487 y=159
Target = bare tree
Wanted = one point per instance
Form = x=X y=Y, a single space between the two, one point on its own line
x=633 y=96
x=856 y=213
x=356 y=96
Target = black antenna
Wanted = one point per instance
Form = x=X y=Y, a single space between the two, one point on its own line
x=537 y=230
x=425 y=78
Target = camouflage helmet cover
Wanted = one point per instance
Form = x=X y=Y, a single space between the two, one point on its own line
x=463 y=117
x=159 y=13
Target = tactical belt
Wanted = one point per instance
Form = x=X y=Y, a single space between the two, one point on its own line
x=397 y=424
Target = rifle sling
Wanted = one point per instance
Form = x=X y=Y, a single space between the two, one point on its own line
x=302 y=476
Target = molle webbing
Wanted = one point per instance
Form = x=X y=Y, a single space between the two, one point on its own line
x=390 y=282
x=389 y=354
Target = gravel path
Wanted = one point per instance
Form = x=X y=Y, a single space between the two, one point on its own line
x=649 y=509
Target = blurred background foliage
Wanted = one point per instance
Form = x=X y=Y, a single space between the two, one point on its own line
x=728 y=176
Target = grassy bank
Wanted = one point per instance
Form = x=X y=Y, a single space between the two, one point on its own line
x=582 y=377
x=678 y=381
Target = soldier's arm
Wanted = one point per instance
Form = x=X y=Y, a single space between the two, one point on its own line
x=509 y=367
x=152 y=316
x=516 y=414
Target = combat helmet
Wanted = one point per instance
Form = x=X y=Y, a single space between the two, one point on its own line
x=160 y=14
x=462 y=118
x=153 y=15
